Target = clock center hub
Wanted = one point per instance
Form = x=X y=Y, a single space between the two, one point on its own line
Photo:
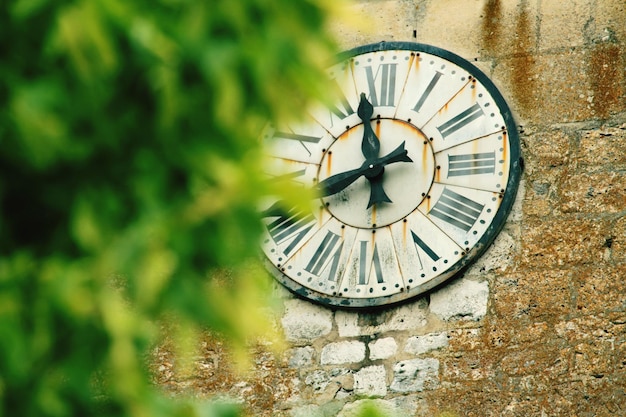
x=405 y=183
x=374 y=171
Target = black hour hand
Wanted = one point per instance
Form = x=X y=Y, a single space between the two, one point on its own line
x=338 y=182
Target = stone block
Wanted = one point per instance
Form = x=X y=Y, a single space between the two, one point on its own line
x=307 y=411
x=496 y=28
x=596 y=359
x=564 y=86
x=468 y=366
x=409 y=316
x=301 y=357
x=382 y=348
x=415 y=375
x=563 y=23
x=304 y=321
x=366 y=22
x=357 y=408
x=461 y=299
x=371 y=381
x=617 y=244
x=500 y=255
x=343 y=352
x=318 y=380
x=530 y=360
x=602 y=149
x=593 y=328
x=411 y=405
x=347 y=323
x=552 y=148
x=418 y=345
x=535 y=294
x=328 y=409
x=605 y=68
x=609 y=21
x=564 y=241
x=464 y=339
x=600 y=192
x=455 y=34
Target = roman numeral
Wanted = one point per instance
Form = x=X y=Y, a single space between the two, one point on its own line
x=471 y=164
x=457 y=210
x=431 y=253
x=300 y=138
x=375 y=264
x=329 y=251
x=289 y=177
x=291 y=225
x=343 y=108
x=460 y=120
x=429 y=88
x=385 y=95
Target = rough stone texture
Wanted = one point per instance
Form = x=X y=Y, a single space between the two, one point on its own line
x=536 y=327
x=371 y=381
x=385 y=20
x=304 y=321
x=383 y=348
x=418 y=345
x=355 y=409
x=461 y=299
x=406 y=317
x=343 y=352
x=300 y=357
x=415 y=375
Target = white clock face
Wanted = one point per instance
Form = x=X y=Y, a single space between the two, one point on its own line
x=416 y=165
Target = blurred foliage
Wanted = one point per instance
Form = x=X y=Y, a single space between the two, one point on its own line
x=129 y=182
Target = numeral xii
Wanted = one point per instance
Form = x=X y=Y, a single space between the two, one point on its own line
x=382 y=84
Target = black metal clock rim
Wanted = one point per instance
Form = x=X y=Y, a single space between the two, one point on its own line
x=498 y=222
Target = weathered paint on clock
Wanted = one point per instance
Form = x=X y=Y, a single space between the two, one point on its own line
x=417 y=165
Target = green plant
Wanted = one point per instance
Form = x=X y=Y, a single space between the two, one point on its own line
x=129 y=179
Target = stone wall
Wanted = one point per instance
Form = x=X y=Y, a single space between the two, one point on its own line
x=537 y=327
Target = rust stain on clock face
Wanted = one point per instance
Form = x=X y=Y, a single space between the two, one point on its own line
x=329 y=163
x=374 y=214
x=425 y=153
x=473 y=88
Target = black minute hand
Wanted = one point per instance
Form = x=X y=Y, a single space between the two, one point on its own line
x=338 y=182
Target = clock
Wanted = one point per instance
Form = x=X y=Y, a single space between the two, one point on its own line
x=415 y=167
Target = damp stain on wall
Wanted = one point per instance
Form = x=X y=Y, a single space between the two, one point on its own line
x=502 y=39
x=606 y=77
